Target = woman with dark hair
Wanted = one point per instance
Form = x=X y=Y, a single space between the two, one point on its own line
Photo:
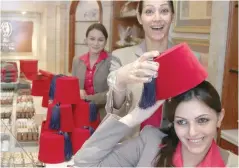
x=126 y=83
x=188 y=141
x=93 y=67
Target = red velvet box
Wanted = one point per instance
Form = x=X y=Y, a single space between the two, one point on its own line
x=179 y=71
x=67 y=90
x=66 y=117
x=40 y=85
x=51 y=148
x=81 y=112
x=78 y=138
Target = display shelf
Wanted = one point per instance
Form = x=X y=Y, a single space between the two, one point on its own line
x=125 y=20
x=9 y=129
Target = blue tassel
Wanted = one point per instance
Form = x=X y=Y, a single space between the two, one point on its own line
x=55 y=117
x=53 y=86
x=148 y=98
x=90 y=129
x=67 y=145
x=93 y=112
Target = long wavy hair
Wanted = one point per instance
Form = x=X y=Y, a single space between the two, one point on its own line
x=204 y=92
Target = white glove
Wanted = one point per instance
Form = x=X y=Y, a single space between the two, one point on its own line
x=138 y=115
x=140 y=71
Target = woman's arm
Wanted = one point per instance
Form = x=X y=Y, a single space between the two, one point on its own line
x=118 y=101
x=119 y=94
x=102 y=149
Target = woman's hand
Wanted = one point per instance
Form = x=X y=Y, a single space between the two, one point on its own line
x=83 y=94
x=140 y=71
x=138 y=115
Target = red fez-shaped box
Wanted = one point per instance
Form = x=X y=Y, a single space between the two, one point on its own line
x=179 y=71
x=40 y=85
x=67 y=90
x=51 y=148
x=78 y=138
x=44 y=128
x=81 y=115
x=29 y=68
x=45 y=99
x=46 y=73
x=48 y=116
x=66 y=117
x=28 y=65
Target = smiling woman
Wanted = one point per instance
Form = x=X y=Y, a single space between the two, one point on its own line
x=93 y=67
x=156 y=19
x=195 y=117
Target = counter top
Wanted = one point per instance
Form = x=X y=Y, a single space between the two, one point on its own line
x=230 y=136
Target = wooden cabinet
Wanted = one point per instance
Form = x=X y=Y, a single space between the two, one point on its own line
x=230 y=81
x=228 y=146
x=124 y=14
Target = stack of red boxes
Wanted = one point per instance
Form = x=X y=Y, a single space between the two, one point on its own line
x=72 y=119
x=9 y=72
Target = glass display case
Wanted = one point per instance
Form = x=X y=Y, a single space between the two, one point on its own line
x=19 y=129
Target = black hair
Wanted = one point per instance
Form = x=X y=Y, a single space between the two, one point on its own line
x=204 y=92
x=97 y=26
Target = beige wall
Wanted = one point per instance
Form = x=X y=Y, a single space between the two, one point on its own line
x=218 y=40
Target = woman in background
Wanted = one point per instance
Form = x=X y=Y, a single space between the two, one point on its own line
x=188 y=141
x=93 y=67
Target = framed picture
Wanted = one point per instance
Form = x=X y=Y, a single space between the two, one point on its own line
x=198 y=45
x=16 y=36
x=193 y=16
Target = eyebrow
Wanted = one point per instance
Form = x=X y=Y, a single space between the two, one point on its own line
x=201 y=116
x=195 y=118
x=160 y=5
x=99 y=37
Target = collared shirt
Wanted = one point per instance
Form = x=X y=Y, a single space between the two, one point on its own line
x=89 y=74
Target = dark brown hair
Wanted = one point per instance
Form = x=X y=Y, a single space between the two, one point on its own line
x=140 y=7
x=97 y=26
x=204 y=92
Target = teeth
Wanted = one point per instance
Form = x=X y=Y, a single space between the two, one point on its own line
x=195 y=140
x=157 y=27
